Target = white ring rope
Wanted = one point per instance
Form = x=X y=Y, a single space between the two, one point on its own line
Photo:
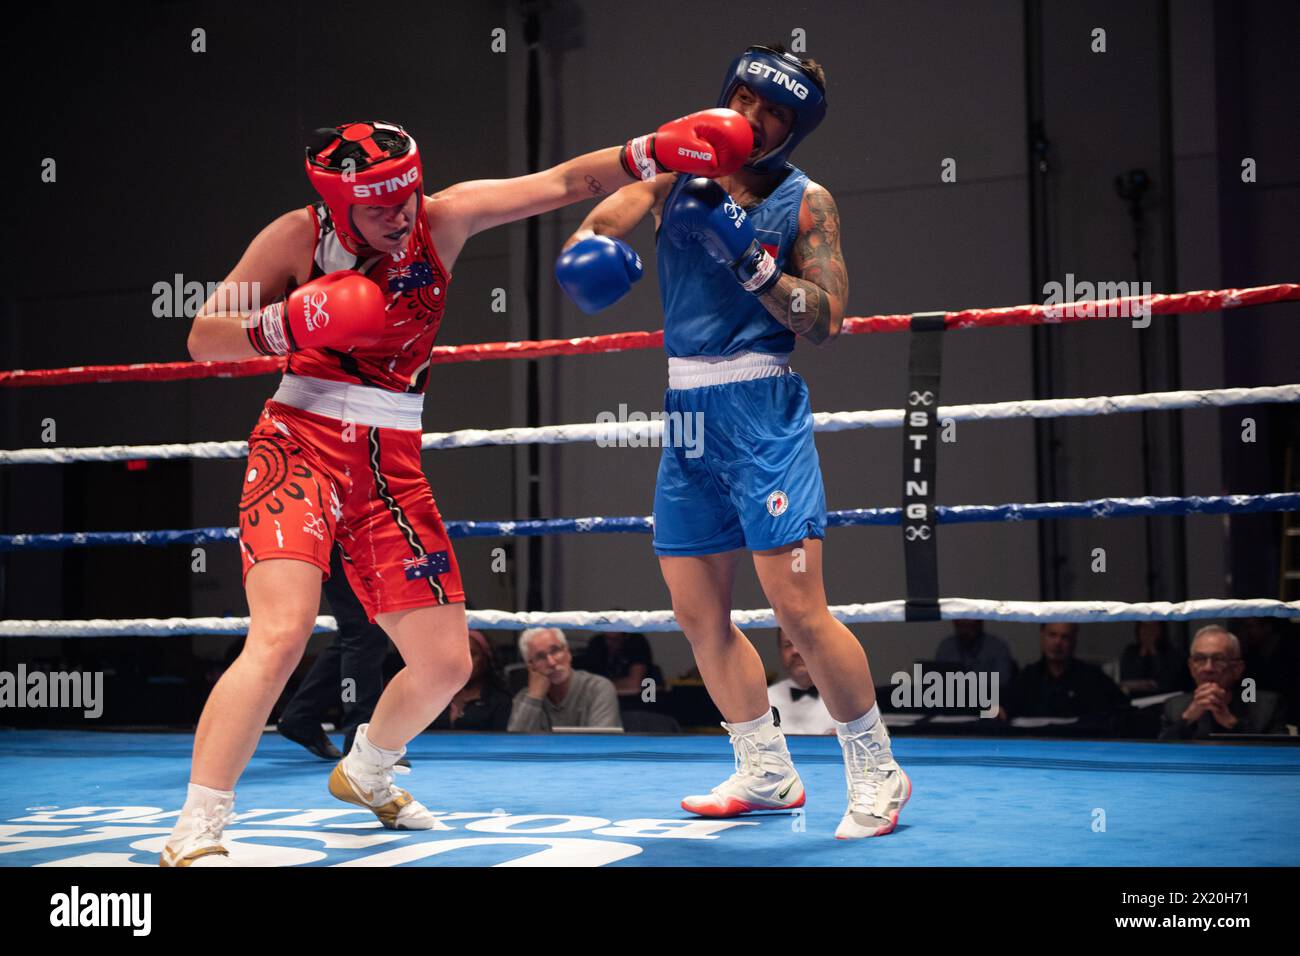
x=1085 y=612
x=641 y=434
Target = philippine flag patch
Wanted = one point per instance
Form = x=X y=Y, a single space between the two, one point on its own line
x=777 y=502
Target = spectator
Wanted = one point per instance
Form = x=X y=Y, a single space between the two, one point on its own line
x=973 y=650
x=557 y=695
x=1272 y=660
x=1150 y=664
x=1216 y=706
x=626 y=660
x=483 y=703
x=357 y=653
x=1060 y=685
x=795 y=698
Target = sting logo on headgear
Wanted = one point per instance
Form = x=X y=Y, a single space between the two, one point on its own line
x=395 y=185
x=781 y=79
x=372 y=163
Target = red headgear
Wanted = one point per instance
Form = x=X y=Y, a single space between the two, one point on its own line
x=381 y=177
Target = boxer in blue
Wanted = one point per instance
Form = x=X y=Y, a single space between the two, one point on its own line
x=748 y=263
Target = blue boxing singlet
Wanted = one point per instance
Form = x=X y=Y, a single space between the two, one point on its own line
x=706 y=312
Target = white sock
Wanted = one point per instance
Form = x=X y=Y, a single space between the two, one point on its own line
x=861 y=724
x=749 y=726
x=198 y=797
x=206 y=797
x=367 y=753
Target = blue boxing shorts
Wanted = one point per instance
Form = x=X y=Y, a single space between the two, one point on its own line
x=754 y=481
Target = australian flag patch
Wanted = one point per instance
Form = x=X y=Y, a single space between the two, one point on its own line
x=427 y=566
x=414 y=275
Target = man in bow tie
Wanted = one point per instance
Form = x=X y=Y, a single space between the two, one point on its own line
x=795 y=698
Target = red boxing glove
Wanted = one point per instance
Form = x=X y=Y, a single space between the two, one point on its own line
x=708 y=143
x=343 y=309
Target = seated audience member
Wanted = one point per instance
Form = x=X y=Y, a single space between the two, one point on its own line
x=1272 y=659
x=627 y=661
x=973 y=650
x=557 y=695
x=795 y=698
x=1150 y=664
x=1060 y=685
x=482 y=704
x=1216 y=706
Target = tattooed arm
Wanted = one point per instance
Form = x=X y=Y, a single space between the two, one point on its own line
x=466 y=209
x=617 y=215
x=809 y=299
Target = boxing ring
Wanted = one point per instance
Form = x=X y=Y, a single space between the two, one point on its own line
x=108 y=799
x=600 y=800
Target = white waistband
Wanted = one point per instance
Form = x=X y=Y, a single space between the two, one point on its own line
x=361 y=404
x=701 y=370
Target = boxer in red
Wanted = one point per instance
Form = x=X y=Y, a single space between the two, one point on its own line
x=361 y=282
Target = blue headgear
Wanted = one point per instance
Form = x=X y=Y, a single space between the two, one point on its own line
x=778 y=78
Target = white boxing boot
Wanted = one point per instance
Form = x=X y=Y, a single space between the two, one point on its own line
x=196 y=838
x=765 y=778
x=877 y=786
x=365 y=778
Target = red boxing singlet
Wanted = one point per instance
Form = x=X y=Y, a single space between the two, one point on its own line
x=313 y=480
x=416 y=283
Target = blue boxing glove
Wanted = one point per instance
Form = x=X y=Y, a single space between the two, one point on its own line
x=703 y=213
x=597 y=272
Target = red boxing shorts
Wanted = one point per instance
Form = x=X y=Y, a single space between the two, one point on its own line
x=313 y=480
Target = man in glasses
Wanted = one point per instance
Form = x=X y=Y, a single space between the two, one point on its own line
x=1220 y=704
x=557 y=695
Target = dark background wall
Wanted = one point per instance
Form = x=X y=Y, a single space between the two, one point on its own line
x=169 y=161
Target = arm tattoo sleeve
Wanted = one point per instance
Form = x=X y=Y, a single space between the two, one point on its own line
x=802 y=303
